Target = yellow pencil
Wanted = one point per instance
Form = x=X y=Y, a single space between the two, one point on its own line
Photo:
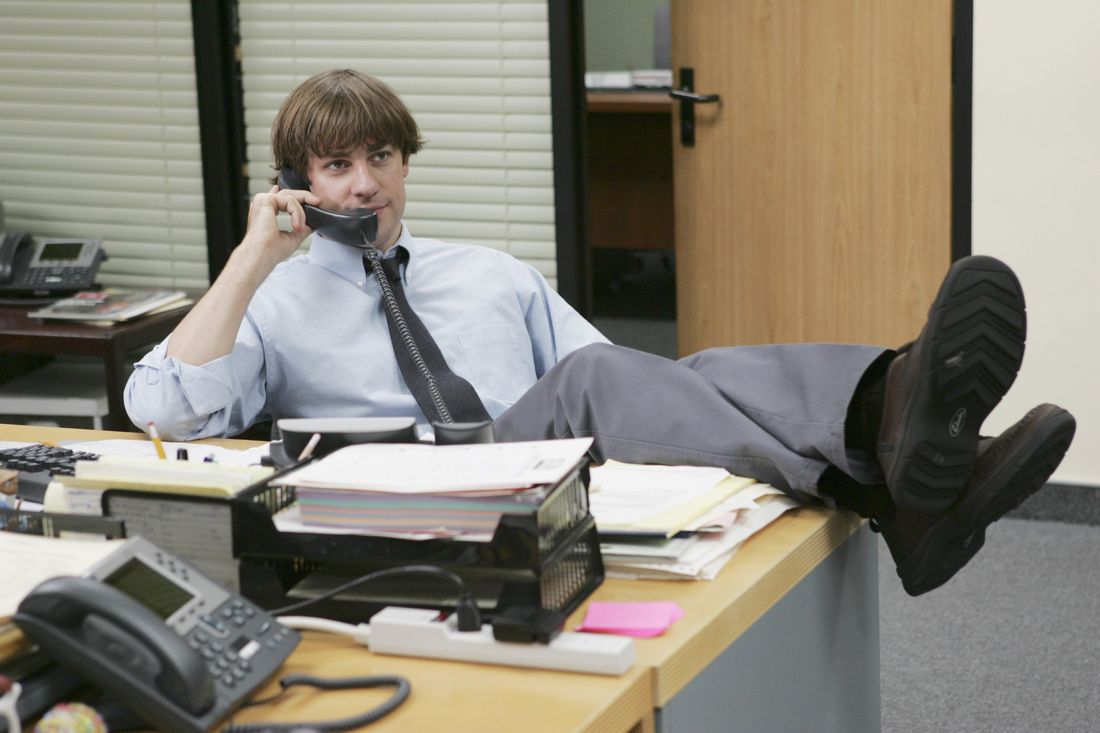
x=155 y=437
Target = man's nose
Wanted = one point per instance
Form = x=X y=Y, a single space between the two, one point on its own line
x=365 y=184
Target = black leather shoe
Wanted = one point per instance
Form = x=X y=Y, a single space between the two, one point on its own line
x=929 y=549
x=940 y=388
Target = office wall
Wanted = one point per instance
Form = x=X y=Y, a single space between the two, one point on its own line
x=1036 y=199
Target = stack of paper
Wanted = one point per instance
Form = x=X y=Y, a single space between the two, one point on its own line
x=112 y=305
x=636 y=79
x=434 y=513
x=425 y=489
x=676 y=522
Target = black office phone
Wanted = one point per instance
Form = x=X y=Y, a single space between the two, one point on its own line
x=47 y=265
x=159 y=636
x=354 y=227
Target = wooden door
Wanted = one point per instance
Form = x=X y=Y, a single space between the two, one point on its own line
x=816 y=202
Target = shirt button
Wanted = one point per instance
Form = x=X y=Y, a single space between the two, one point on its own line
x=360 y=284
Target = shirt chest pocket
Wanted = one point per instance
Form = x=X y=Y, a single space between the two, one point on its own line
x=499 y=364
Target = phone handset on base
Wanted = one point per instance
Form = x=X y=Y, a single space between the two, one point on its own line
x=354 y=227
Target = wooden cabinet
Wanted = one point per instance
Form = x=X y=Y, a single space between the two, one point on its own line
x=630 y=171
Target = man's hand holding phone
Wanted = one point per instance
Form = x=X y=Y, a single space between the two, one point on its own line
x=271 y=243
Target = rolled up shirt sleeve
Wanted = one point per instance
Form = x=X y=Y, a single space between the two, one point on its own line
x=187 y=402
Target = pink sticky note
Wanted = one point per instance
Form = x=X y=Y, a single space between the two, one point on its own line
x=640 y=618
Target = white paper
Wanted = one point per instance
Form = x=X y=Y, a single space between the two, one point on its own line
x=622 y=494
x=411 y=468
x=30 y=559
x=290 y=520
x=703 y=559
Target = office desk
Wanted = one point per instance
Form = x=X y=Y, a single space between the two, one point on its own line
x=785 y=639
x=20 y=334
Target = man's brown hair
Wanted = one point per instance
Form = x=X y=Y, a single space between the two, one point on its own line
x=337 y=111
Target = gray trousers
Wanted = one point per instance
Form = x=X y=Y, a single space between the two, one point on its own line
x=775 y=413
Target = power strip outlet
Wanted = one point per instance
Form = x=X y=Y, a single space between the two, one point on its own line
x=418 y=632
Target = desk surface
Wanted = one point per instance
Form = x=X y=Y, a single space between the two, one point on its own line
x=626 y=102
x=16 y=327
x=460 y=696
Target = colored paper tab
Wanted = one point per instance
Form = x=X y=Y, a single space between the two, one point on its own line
x=639 y=618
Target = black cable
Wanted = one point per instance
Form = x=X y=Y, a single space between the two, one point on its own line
x=356 y=721
x=469 y=617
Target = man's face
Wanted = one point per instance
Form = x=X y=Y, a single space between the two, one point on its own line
x=371 y=176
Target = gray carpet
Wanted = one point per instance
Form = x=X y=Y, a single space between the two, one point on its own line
x=1012 y=643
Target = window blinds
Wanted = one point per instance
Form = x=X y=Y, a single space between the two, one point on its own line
x=476 y=76
x=99 y=133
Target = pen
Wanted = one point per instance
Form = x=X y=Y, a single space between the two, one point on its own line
x=155 y=437
x=308 y=450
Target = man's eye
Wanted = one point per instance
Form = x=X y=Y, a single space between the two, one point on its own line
x=382 y=155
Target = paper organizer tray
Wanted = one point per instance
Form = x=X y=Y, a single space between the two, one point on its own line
x=548 y=558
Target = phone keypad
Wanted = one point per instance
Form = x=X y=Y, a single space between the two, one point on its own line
x=52 y=277
x=229 y=658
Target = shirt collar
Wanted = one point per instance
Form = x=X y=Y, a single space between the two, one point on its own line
x=347 y=262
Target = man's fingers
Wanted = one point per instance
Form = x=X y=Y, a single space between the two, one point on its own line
x=297 y=215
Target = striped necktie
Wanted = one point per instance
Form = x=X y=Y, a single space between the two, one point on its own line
x=442 y=395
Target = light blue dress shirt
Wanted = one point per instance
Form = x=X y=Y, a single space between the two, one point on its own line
x=315 y=343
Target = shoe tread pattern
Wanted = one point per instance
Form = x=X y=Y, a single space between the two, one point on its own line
x=979 y=327
x=986 y=325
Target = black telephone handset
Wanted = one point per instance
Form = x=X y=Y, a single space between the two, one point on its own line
x=158 y=635
x=128 y=643
x=354 y=227
x=14 y=242
x=47 y=265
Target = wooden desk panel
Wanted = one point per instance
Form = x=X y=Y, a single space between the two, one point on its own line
x=456 y=696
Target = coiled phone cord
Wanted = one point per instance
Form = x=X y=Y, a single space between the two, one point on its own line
x=356 y=721
x=375 y=259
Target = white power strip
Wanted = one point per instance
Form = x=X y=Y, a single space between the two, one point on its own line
x=418 y=632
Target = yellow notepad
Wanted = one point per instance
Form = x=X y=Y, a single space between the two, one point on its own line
x=167 y=476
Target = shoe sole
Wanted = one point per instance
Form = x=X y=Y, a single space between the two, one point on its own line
x=970 y=353
x=953 y=541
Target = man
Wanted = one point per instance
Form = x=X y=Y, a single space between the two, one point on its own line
x=891 y=435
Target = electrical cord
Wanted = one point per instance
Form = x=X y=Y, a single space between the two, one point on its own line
x=466 y=610
x=356 y=721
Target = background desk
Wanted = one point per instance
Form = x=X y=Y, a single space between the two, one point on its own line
x=20 y=334
x=785 y=639
x=630 y=170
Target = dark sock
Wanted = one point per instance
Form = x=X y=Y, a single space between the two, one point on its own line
x=861 y=425
x=866 y=500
